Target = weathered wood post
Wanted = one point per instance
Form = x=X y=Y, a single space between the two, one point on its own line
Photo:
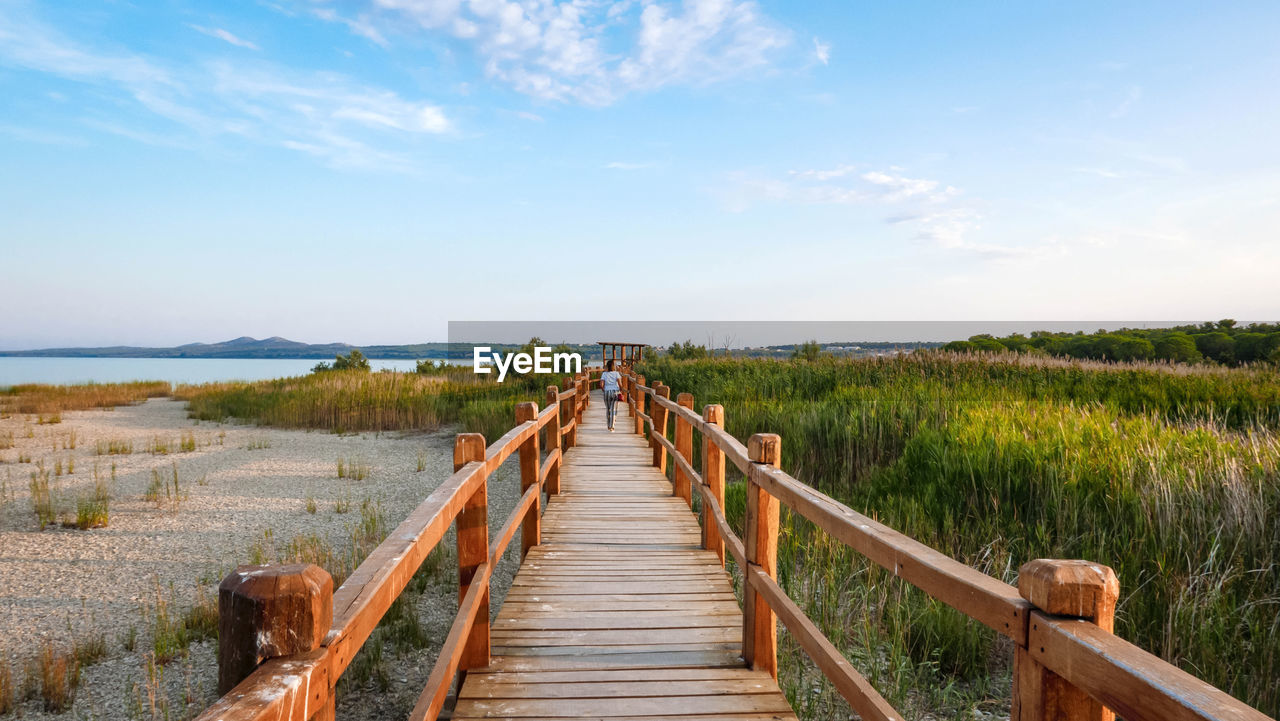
x=1061 y=588
x=270 y=611
x=531 y=528
x=553 y=441
x=580 y=402
x=713 y=477
x=640 y=396
x=628 y=388
x=759 y=624
x=683 y=486
x=473 y=550
x=660 y=427
x=567 y=415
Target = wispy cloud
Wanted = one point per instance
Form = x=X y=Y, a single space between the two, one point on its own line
x=822 y=51
x=1131 y=99
x=225 y=36
x=932 y=211
x=586 y=52
x=616 y=165
x=326 y=115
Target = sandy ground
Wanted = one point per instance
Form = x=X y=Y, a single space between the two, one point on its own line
x=62 y=585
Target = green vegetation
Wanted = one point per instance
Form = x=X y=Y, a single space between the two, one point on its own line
x=347 y=401
x=353 y=361
x=93 y=511
x=1222 y=342
x=1169 y=474
x=49 y=401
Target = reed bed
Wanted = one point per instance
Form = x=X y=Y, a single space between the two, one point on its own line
x=1170 y=475
x=354 y=401
x=49 y=401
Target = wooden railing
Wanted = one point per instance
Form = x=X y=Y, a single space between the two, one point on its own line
x=285 y=636
x=1068 y=666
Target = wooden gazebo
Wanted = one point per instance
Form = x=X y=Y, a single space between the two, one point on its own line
x=623 y=354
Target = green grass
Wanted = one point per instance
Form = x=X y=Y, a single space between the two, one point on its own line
x=1170 y=475
x=352 y=401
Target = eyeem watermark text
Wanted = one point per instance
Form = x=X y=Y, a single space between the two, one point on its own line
x=541 y=361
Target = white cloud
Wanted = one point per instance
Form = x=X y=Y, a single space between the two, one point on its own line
x=822 y=51
x=327 y=115
x=225 y=36
x=931 y=210
x=589 y=52
x=1131 y=99
x=616 y=165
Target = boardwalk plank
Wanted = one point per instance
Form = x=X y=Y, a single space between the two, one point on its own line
x=619 y=613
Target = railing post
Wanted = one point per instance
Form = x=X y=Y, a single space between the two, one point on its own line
x=628 y=388
x=759 y=624
x=659 y=427
x=567 y=414
x=531 y=528
x=713 y=477
x=270 y=611
x=1060 y=588
x=473 y=549
x=639 y=399
x=553 y=441
x=580 y=400
x=684 y=446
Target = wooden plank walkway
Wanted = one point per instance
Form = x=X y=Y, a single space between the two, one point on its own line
x=619 y=614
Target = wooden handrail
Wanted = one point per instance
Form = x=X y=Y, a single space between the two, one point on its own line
x=300 y=687
x=1086 y=656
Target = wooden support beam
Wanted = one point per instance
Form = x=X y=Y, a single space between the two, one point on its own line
x=568 y=414
x=660 y=426
x=1079 y=589
x=639 y=404
x=713 y=478
x=759 y=624
x=531 y=529
x=473 y=549
x=553 y=440
x=684 y=446
x=267 y=612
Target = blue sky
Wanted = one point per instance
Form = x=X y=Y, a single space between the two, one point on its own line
x=176 y=171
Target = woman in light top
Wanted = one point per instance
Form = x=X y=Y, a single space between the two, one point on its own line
x=610 y=381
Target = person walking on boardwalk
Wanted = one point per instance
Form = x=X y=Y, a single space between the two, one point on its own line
x=610 y=381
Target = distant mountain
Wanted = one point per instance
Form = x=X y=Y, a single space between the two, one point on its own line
x=244 y=347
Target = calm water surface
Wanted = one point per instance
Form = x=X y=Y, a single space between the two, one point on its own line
x=174 y=370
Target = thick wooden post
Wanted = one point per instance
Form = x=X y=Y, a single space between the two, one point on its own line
x=553 y=441
x=628 y=387
x=473 y=549
x=659 y=427
x=531 y=528
x=759 y=624
x=683 y=486
x=270 y=611
x=1060 y=588
x=580 y=401
x=568 y=413
x=640 y=396
x=713 y=477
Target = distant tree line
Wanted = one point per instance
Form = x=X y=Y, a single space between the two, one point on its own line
x=1223 y=342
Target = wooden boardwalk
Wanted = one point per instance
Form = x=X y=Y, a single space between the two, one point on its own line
x=619 y=613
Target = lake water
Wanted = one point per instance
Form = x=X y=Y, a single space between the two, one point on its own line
x=174 y=370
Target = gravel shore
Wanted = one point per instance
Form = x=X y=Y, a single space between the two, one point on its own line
x=61 y=586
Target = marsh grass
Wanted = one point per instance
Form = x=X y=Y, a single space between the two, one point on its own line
x=343 y=402
x=43 y=501
x=8 y=700
x=353 y=468
x=165 y=488
x=188 y=442
x=113 y=447
x=1170 y=475
x=422 y=461
x=172 y=631
x=59 y=677
x=50 y=400
x=94 y=511
x=6 y=441
x=258 y=444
